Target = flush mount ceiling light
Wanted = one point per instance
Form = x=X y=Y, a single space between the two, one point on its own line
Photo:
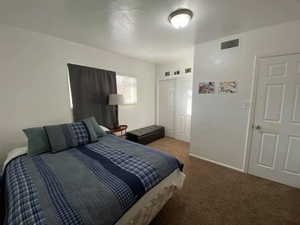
x=180 y=18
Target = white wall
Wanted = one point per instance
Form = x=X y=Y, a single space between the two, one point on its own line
x=34 y=89
x=220 y=123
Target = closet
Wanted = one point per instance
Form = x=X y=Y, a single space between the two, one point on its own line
x=175 y=107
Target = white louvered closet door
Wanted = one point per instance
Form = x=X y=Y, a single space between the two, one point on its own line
x=167 y=106
x=175 y=107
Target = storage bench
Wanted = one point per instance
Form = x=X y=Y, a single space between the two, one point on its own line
x=146 y=135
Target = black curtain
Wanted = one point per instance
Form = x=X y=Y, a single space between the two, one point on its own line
x=90 y=89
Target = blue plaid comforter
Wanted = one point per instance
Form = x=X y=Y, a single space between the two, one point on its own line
x=93 y=184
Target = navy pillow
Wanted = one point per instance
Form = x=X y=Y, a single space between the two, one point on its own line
x=81 y=133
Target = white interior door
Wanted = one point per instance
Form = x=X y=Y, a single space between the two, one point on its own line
x=275 y=151
x=167 y=106
x=183 y=108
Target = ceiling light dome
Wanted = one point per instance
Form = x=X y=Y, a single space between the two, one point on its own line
x=180 y=18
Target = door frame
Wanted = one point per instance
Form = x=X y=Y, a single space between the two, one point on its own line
x=253 y=100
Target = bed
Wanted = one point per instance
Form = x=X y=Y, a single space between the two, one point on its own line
x=111 y=181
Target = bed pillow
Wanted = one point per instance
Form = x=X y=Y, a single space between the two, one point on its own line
x=84 y=132
x=60 y=137
x=104 y=128
x=38 y=142
x=98 y=129
x=89 y=123
x=66 y=136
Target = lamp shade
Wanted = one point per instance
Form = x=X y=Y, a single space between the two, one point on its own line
x=115 y=99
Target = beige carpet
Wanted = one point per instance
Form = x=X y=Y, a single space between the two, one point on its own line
x=215 y=195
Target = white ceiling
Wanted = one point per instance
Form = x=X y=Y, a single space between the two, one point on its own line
x=139 y=28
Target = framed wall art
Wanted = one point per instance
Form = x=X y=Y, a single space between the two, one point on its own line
x=207 y=87
x=228 y=87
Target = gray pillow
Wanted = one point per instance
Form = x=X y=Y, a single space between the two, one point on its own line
x=60 y=137
x=98 y=130
x=37 y=141
x=66 y=136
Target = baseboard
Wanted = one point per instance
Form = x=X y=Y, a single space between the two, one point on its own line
x=215 y=162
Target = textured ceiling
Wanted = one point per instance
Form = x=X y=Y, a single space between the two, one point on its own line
x=139 y=28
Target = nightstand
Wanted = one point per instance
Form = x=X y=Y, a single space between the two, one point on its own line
x=122 y=129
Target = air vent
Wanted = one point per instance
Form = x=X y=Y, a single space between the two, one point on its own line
x=230 y=44
x=177 y=72
x=188 y=70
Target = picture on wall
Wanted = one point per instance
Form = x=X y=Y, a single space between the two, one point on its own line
x=207 y=87
x=228 y=87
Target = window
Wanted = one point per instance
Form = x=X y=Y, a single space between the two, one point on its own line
x=127 y=86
